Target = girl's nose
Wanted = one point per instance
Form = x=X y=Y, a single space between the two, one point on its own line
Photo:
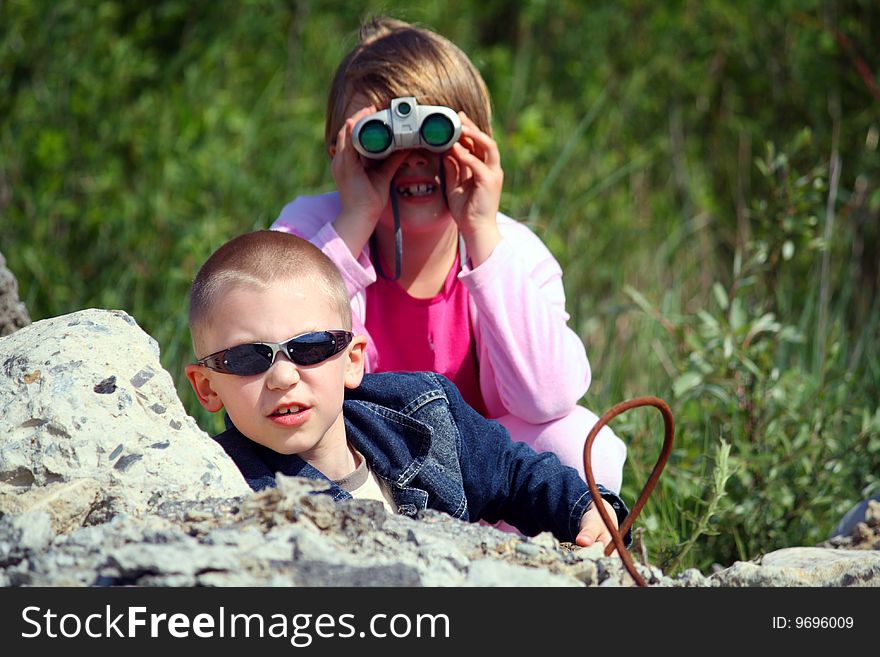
x=416 y=157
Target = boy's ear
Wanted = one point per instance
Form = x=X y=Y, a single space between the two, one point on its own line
x=201 y=384
x=354 y=368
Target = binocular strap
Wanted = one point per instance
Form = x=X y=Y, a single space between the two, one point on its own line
x=398 y=243
x=398 y=235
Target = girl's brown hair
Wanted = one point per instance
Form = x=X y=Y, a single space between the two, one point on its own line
x=394 y=59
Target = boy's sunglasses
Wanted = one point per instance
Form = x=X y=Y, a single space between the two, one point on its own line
x=256 y=358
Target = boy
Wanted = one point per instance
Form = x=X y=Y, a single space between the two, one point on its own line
x=303 y=406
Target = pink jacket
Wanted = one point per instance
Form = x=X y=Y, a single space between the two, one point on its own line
x=532 y=365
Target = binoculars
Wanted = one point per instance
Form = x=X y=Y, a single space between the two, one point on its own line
x=406 y=124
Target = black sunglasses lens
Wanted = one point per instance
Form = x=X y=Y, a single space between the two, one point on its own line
x=312 y=348
x=248 y=359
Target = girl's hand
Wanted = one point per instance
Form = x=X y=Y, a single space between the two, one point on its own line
x=363 y=185
x=473 y=189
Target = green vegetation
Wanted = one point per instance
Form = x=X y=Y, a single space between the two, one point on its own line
x=707 y=174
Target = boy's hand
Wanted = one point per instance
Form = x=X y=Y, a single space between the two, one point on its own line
x=473 y=189
x=593 y=528
x=363 y=186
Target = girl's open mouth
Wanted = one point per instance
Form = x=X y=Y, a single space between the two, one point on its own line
x=416 y=190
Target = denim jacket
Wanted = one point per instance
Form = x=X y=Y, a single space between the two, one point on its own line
x=434 y=451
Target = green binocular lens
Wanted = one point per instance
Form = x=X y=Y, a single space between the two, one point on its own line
x=437 y=130
x=375 y=137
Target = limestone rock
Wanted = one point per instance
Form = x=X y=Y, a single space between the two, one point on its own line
x=84 y=396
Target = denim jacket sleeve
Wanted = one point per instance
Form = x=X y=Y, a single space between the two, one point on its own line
x=506 y=480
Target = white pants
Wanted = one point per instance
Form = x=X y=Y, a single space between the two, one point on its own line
x=566 y=438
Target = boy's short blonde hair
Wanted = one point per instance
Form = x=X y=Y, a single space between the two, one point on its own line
x=394 y=59
x=259 y=259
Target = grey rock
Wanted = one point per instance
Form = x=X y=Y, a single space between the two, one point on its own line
x=585 y=571
x=487 y=572
x=306 y=544
x=528 y=549
x=545 y=540
x=69 y=411
x=13 y=314
x=613 y=572
x=690 y=578
x=271 y=539
x=179 y=557
x=68 y=504
x=595 y=551
x=24 y=535
x=805 y=566
x=316 y=573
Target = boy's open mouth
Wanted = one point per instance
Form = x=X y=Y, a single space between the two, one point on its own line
x=288 y=410
x=421 y=189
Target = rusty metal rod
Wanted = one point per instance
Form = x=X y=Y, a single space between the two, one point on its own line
x=618 y=534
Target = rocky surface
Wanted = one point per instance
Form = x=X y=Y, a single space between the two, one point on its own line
x=13 y=314
x=104 y=480
x=290 y=537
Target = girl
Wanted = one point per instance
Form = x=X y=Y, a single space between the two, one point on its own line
x=472 y=294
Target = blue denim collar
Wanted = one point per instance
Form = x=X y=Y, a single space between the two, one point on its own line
x=397 y=450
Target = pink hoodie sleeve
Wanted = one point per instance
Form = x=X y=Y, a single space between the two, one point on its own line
x=311 y=217
x=538 y=363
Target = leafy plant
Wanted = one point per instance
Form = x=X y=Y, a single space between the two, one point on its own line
x=798 y=438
